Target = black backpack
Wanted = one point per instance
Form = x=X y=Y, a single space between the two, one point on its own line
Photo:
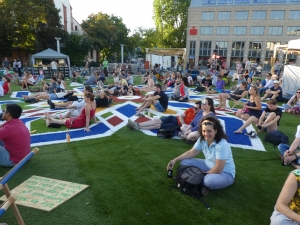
x=189 y=181
x=276 y=137
x=168 y=132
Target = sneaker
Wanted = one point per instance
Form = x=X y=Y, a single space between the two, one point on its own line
x=128 y=125
x=133 y=124
x=52 y=105
x=180 y=134
x=110 y=101
x=250 y=133
x=139 y=114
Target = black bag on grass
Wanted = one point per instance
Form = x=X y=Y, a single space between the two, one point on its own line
x=189 y=180
x=276 y=137
x=167 y=132
x=31 y=100
x=54 y=125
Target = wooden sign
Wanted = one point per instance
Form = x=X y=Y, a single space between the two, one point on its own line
x=45 y=193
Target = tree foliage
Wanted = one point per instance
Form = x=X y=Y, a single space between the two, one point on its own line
x=107 y=33
x=170 y=18
x=29 y=24
x=143 y=38
x=77 y=48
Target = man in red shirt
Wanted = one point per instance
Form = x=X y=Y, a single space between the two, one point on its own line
x=12 y=149
x=169 y=121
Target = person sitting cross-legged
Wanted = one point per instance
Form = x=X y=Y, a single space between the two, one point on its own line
x=218 y=163
x=274 y=92
x=169 y=121
x=83 y=120
x=159 y=100
x=13 y=149
x=290 y=153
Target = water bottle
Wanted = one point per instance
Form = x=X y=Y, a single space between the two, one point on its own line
x=170 y=170
x=68 y=139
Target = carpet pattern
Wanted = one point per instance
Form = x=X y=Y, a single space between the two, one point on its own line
x=116 y=116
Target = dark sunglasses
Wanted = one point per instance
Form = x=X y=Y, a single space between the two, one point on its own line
x=196 y=108
x=204 y=103
x=209 y=123
x=298 y=92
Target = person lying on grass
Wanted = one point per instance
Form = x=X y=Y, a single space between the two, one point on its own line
x=288 y=153
x=236 y=95
x=190 y=132
x=286 y=210
x=169 y=121
x=159 y=99
x=83 y=120
x=253 y=107
x=218 y=161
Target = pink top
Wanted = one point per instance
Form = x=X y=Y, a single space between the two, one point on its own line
x=16 y=139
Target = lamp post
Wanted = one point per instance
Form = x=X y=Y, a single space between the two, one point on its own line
x=122 y=53
x=58 y=43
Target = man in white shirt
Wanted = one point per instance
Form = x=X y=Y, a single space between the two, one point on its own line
x=269 y=84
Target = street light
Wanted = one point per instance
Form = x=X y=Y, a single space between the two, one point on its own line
x=58 y=43
x=122 y=53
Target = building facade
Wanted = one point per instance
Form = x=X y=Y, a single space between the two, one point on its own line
x=234 y=30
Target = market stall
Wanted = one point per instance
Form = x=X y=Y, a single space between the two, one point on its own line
x=63 y=61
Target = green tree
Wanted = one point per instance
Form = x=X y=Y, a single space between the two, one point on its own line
x=79 y=53
x=170 y=18
x=29 y=24
x=106 y=32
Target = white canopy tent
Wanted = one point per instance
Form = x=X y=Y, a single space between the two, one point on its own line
x=51 y=54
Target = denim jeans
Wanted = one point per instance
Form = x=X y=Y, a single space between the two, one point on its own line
x=213 y=180
x=285 y=106
x=284 y=147
x=261 y=90
x=5 y=158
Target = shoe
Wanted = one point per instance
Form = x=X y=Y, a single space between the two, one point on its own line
x=139 y=114
x=133 y=124
x=110 y=101
x=48 y=101
x=52 y=105
x=259 y=128
x=128 y=125
x=250 y=133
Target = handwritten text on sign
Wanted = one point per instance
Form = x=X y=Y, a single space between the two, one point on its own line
x=45 y=193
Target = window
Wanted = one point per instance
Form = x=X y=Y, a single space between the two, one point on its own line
x=208 y=15
x=294 y=15
x=206 y=30
x=205 y=48
x=242 y=1
x=223 y=15
x=225 y=1
x=192 y=48
x=241 y=15
x=257 y=30
x=221 y=48
x=278 y=1
x=293 y=31
x=254 y=49
x=237 y=49
x=223 y=30
x=259 y=15
x=260 y=1
x=208 y=2
x=294 y=0
x=275 y=30
x=239 y=30
x=277 y=15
